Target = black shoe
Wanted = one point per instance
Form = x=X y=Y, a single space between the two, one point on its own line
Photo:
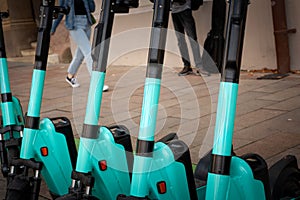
x=185 y=71
x=73 y=82
x=202 y=71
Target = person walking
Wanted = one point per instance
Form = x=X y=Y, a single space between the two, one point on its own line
x=78 y=21
x=184 y=23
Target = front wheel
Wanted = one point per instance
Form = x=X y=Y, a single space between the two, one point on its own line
x=76 y=196
x=18 y=189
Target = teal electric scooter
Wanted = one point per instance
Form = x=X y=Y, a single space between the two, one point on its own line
x=12 y=115
x=48 y=146
x=164 y=170
x=105 y=154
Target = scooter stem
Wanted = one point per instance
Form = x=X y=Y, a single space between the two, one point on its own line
x=100 y=49
x=145 y=142
x=2 y=43
x=218 y=177
x=6 y=96
x=6 y=99
x=32 y=121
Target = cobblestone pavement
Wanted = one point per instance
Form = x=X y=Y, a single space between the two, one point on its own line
x=267 y=118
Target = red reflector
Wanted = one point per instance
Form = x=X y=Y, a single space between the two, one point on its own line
x=19 y=119
x=161 y=187
x=102 y=165
x=44 y=151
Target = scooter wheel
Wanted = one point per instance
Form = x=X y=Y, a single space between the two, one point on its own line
x=75 y=196
x=286 y=183
x=18 y=193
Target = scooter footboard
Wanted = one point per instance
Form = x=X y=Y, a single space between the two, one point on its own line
x=51 y=148
x=260 y=170
x=45 y=152
x=171 y=172
x=242 y=182
x=110 y=163
x=122 y=136
x=63 y=125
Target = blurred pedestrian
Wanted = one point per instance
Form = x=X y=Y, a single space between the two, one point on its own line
x=184 y=23
x=78 y=21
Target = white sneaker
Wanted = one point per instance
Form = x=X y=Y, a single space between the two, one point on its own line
x=105 y=88
x=73 y=82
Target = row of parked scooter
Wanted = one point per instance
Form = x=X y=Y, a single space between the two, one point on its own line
x=105 y=165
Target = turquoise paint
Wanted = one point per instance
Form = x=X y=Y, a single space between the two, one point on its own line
x=86 y=145
x=141 y=166
x=14 y=117
x=6 y=107
x=175 y=179
x=149 y=109
x=240 y=184
x=57 y=166
x=106 y=135
x=162 y=156
x=84 y=163
x=91 y=151
x=165 y=168
x=5 y=84
x=116 y=173
x=217 y=186
x=161 y=167
x=10 y=110
x=139 y=184
x=7 y=110
x=94 y=98
x=27 y=150
x=201 y=192
x=36 y=93
x=34 y=107
x=225 y=118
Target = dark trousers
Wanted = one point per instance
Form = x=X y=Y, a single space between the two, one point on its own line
x=184 y=23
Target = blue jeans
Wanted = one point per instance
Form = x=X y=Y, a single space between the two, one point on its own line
x=81 y=36
x=184 y=23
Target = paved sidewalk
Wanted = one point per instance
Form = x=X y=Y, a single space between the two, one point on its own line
x=267 y=118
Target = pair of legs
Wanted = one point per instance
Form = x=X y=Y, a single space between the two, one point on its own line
x=184 y=23
x=81 y=36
